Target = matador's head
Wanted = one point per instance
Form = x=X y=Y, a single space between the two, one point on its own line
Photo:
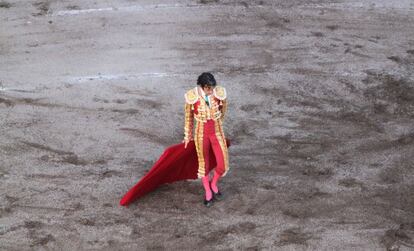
x=207 y=82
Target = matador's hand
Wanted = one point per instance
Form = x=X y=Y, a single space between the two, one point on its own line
x=186 y=142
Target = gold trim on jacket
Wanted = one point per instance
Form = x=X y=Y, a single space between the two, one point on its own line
x=205 y=112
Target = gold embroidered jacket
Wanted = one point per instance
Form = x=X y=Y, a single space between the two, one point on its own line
x=196 y=108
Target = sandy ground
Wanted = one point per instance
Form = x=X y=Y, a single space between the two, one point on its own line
x=321 y=113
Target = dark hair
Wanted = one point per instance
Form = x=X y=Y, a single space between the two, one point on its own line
x=206 y=78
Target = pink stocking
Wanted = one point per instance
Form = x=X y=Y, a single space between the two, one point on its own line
x=214 y=182
x=206 y=185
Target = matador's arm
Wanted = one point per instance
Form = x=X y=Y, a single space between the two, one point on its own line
x=223 y=109
x=191 y=98
x=188 y=122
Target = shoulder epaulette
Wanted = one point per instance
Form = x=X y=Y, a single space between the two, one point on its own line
x=220 y=92
x=191 y=96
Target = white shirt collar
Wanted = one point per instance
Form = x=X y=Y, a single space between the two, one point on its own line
x=204 y=95
x=202 y=92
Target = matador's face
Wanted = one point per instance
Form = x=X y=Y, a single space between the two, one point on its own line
x=208 y=89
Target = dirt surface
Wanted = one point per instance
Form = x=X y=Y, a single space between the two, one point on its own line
x=321 y=113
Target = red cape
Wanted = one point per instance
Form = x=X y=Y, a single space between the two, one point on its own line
x=176 y=163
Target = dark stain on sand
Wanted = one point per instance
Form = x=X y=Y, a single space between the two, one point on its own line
x=150 y=136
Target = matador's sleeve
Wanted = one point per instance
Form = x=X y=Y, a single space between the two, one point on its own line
x=190 y=99
x=224 y=109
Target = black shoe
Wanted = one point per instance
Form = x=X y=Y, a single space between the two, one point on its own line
x=208 y=203
x=217 y=196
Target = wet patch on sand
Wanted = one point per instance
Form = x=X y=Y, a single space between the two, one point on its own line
x=394 y=239
x=278 y=23
x=150 y=136
x=43 y=7
x=359 y=122
x=402 y=141
x=397 y=172
x=316 y=171
x=73 y=7
x=13 y=101
x=208 y=1
x=60 y=156
x=5 y=4
x=130 y=111
x=149 y=104
x=396 y=93
x=219 y=236
x=38 y=239
x=350 y=183
x=293 y=235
